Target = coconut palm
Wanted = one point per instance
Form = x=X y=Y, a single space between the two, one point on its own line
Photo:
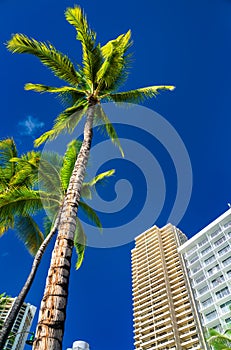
x=103 y=70
x=20 y=200
x=219 y=341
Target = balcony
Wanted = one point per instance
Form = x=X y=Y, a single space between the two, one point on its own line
x=224 y=250
x=215 y=233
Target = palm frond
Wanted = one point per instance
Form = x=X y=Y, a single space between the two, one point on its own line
x=29 y=233
x=88 y=187
x=91 y=214
x=68 y=95
x=86 y=191
x=8 y=150
x=101 y=177
x=79 y=243
x=65 y=122
x=92 y=57
x=107 y=127
x=138 y=94
x=21 y=202
x=6 y=222
x=49 y=175
x=47 y=226
x=69 y=160
x=115 y=66
x=59 y=63
x=52 y=89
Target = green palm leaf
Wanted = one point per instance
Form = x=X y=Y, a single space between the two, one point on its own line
x=65 y=122
x=21 y=202
x=59 y=63
x=52 y=89
x=101 y=177
x=69 y=160
x=107 y=127
x=138 y=95
x=8 y=150
x=79 y=243
x=92 y=57
x=6 y=222
x=29 y=233
x=91 y=214
x=115 y=62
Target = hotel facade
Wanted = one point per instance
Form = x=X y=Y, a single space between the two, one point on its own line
x=21 y=327
x=208 y=259
x=164 y=309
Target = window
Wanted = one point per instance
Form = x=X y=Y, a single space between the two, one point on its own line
x=195 y=258
x=219 y=241
x=199 y=279
x=213 y=270
x=215 y=233
x=228 y=320
x=226 y=261
x=211 y=315
x=229 y=233
x=205 y=240
x=226 y=306
x=229 y=273
x=203 y=290
x=197 y=268
x=227 y=224
x=207 y=302
x=209 y=260
x=223 y=292
x=224 y=250
x=206 y=250
x=218 y=281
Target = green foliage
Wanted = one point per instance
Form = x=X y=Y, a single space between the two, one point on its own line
x=60 y=64
x=69 y=160
x=103 y=70
x=219 y=341
x=79 y=243
x=138 y=94
x=92 y=56
x=65 y=122
x=107 y=127
x=29 y=233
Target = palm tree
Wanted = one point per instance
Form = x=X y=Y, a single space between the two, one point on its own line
x=19 y=177
x=218 y=340
x=103 y=70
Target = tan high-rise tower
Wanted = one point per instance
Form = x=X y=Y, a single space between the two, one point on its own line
x=165 y=314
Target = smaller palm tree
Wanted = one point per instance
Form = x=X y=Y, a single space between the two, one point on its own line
x=219 y=341
x=21 y=200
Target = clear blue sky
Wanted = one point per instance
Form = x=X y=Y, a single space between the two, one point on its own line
x=184 y=43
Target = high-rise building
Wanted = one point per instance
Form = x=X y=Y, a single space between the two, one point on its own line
x=165 y=313
x=79 y=345
x=21 y=327
x=208 y=258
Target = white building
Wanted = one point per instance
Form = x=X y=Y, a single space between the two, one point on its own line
x=208 y=258
x=79 y=345
x=21 y=325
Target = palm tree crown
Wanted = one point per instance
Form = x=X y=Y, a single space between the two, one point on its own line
x=103 y=70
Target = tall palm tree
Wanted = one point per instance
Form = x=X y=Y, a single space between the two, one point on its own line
x=219 y=341
x=103 y=70
x=20 y=200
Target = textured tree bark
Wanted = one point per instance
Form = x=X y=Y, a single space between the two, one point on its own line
x=52 y=315
x=9 y=321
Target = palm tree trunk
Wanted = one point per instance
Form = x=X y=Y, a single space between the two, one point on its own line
x=9 y=321
x=52 y=315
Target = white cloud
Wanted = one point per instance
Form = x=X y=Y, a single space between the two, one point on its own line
x=29 y=126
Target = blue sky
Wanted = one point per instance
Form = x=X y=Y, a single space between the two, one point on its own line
x=184 y=43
